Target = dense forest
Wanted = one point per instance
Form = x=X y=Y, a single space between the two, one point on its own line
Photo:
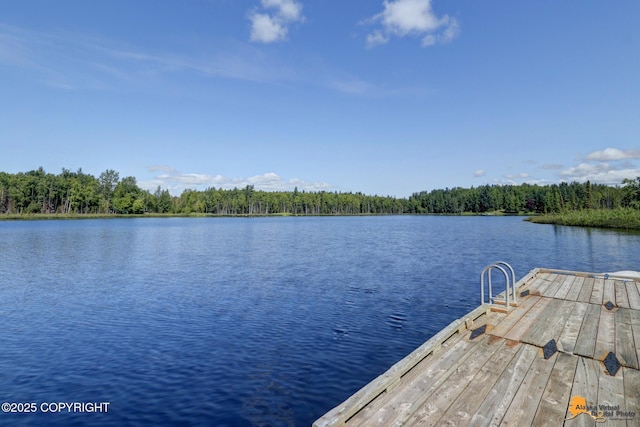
x=39 y=192
x=513 y=199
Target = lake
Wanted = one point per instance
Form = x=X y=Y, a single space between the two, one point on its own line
x=245 y=321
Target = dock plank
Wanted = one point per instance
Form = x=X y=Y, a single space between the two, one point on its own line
x=633 y=295
x=587 y=289
x=598 y=291
x=609 y=292
x=515 y=316
x=555 y=398
x=547 y=282
x=622 y=299
x=520 y=328
x=526 y=401
x=462 y=409
x=606 y=340
x=635 y=327
x=625 y=349
x=564 y=287
x=569 y=334
x=432 y=409
x=611 y=393
x=553 y=287
x=586 y=342
x=495 y=405
x=631 y=393
x=534 y=285
x=585 y=384
x=576 y=287
x=549 y=323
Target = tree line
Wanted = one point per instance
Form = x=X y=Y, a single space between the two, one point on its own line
x=40 y=192
x=527 y=198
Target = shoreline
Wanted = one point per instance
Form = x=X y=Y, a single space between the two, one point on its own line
x=74 y=216
x=618 y=219
x=71 y=217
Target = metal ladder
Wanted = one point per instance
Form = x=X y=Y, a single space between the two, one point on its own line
x=510 y=285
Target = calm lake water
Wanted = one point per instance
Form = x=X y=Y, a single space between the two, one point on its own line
x=245 y=321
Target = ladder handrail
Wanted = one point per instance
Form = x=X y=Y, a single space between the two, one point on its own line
x=513 y=278
x=509 y=283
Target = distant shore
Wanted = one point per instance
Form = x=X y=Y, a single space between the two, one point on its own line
x=622 y=218
x=73 y=216
x=49 y=217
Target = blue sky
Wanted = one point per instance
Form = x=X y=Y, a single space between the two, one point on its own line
x=383 y=97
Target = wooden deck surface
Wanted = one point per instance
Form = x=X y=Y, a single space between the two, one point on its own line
x=502 y=378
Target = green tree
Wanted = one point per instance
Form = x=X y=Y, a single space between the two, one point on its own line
x=162 y=200
x=127 y=197
x=631 y=192
x=108 y=181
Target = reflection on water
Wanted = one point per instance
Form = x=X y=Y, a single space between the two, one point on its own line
x=260 y=321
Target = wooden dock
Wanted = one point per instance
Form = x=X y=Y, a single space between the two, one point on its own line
x=566 y=355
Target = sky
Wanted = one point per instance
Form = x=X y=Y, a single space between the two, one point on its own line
x=384 y=97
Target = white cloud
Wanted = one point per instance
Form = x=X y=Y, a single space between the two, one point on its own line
x=451 y=31
x=290 y=10
x=273 y=26
x=265 y=29
x=612 y=177
x=584 y=169
x=406 y=16
x=604 y=167
x=376 y=38
x=609 y=154
x=176 y=182
x=479 y=173
x=602 y=173
x=429 y=40
x=530 y=181
x=402 y=18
